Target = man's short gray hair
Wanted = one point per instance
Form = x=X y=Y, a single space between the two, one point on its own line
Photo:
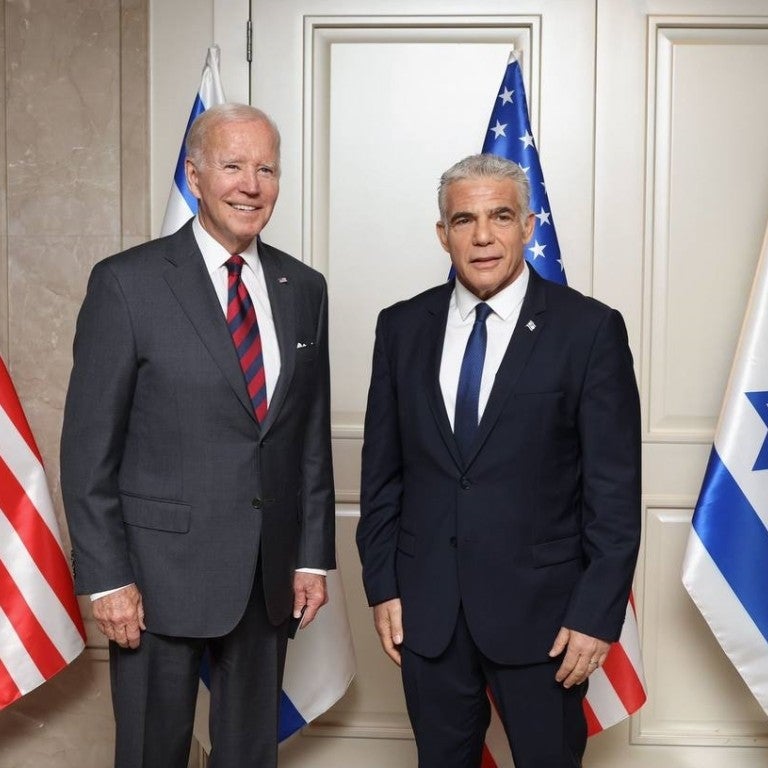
x=486 y=167
x=231 y=112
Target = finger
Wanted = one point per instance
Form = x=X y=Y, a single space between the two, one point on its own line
x=581 y=671
x=569 y=664
x=560 y=642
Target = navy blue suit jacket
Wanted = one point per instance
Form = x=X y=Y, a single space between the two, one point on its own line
x=540 y=527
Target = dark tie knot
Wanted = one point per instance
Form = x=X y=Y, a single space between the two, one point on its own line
x=234 y=264
x=482 y=310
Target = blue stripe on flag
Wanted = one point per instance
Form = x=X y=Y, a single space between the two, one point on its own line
x=290 y=719
x=180 y=177
x=735 y=538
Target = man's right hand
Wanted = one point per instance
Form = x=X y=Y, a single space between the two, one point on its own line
x=120 y=616
x=388 y=620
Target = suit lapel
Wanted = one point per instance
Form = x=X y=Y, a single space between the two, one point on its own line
x=527 y=331
x=437 y=317
x=191 y=285
x=282 y=297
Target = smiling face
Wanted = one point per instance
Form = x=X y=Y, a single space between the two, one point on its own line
x=236 y=180
x=484 y=233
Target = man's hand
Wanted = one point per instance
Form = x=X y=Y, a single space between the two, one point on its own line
x=388 y=620
x=120 y=616
x=583 y=656
x=308 y=589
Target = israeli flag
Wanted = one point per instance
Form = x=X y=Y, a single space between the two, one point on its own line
x=726 y=562
x=182 y=205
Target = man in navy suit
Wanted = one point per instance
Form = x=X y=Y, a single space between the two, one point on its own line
x=196 y=458
x=500 y=510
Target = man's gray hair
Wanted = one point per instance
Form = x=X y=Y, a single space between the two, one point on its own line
x=486 y=167
x=231 y=112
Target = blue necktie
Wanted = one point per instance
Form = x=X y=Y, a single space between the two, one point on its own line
x=468 y=393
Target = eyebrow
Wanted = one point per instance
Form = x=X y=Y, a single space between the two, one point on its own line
x=492 y=212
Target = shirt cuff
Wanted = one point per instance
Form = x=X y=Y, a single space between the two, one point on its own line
x=316 y=571
x=97 y=595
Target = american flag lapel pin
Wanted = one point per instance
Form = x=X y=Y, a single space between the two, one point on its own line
x=530 y=325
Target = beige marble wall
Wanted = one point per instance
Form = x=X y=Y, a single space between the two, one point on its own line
x=74 y=188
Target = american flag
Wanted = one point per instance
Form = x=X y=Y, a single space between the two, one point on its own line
x=41 y=630
x=618 y=688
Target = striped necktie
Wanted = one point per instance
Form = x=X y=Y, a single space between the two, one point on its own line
x=241 y=319
x=466 y=417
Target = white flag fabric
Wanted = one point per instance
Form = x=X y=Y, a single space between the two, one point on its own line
x=41 y=630
x=321 y=662
x=726 y=563
x=182 y=205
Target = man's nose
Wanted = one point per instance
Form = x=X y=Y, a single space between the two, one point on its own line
x=482 y=234
x=250 y=181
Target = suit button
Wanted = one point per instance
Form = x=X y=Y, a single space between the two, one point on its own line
x=256 y=503
x=465 y=484
x=452 y=541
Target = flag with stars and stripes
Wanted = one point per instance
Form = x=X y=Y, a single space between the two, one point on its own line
x=309 y=687
x=182 y=205
x=726 y=563
x=617 y=689
x=41 y=630
x=509 y=135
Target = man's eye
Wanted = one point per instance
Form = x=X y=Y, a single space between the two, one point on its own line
x=265 y=170
x=505 y=217
x=232 y=167
x=461 y=221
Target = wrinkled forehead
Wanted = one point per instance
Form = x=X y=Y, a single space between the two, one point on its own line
x=478 y=193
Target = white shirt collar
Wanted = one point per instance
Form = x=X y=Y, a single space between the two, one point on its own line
x=215 y=254
x=503 y=303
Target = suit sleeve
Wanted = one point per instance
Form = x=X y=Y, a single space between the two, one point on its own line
x=317 y=545
x=95 y=422
x=609 y=432
x=381 y=484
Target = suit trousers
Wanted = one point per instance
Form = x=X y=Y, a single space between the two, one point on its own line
x=154 y=691
x=450 y=712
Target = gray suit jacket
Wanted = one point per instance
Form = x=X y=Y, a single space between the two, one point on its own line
x=168 y=479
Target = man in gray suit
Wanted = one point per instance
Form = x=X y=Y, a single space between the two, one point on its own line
x=196 y=461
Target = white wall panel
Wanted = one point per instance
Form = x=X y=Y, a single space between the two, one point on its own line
x=709 y=206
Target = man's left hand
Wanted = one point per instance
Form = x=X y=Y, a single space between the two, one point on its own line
x=309 y=590
x=583 y=655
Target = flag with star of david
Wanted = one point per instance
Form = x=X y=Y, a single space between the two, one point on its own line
x=617 y=689
x=509 y=135
x=726 y=563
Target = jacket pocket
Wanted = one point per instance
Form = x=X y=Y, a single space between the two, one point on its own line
x=157 y=514
x=557 y=551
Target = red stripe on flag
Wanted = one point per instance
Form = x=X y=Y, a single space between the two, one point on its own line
x=624 y=679
x=41 y=544
x=9 y=691
x=31 y=633
x=9 y=401
x=593 y=724
x=488 y=761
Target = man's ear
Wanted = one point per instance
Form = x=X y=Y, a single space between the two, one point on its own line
x=442 y=234
x=528 y=227
x=190 y=171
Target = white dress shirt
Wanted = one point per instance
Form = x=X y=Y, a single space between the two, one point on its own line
x=500 y=324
